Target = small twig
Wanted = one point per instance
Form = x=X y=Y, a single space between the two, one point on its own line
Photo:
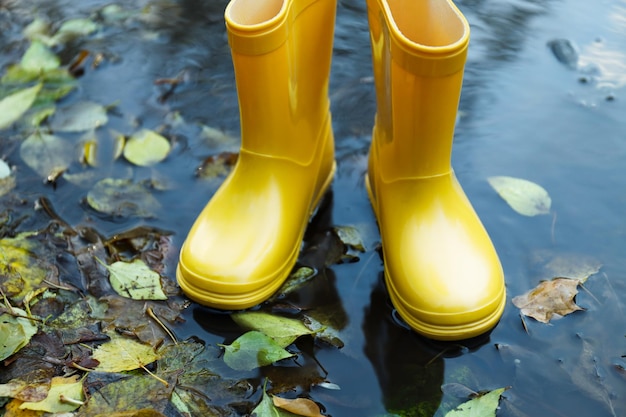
x=589 y=292
x=164 y=382
x=160 y=323
x=58 y=286
x=69 y=400
x=82 y=368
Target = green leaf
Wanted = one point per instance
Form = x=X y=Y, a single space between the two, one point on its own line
x=146 y=147
x=483 y=406
x=72 y=29
x=120 y=197
x=15 y=332
x=135 y=280
x=61 y=389
x=79 y=117
x=525 y=197
x=350 y=236
x=5 y=169
x=15 y=105
x=283 y=330
x=39 y=58
x=46 y=153
x=123 y=354
x=253 y=350
x=266 y=408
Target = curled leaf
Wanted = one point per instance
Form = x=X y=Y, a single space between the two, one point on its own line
x=549 y=298
x=525 y=197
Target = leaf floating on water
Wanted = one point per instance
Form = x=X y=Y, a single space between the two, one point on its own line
x=296 y=280
x=549 y=298
x=79 y=117
x=253 y=350
x=46 y=153
x=146 y=148
x=350 y=236
x=65 y=395
x=525 y=197
x=7 y=180
x=484 y=406
x=15 y=332
x=120 y=197
x=135 y=280
x=39 y=58
x=123 y=354
x=298 y=406
x=283 y=330
x=217 y=165
x=14 y=106
x=72 y=29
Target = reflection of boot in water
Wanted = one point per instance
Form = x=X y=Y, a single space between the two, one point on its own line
x=410 y=374
x=441 y=269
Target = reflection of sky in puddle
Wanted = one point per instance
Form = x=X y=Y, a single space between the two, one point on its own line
x=604 y=58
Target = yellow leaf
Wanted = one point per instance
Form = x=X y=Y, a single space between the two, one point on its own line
x=299 y=406
x=122 y=354
x=65 y=395
x=525 y=197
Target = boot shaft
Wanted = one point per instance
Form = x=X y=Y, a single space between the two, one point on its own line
x=281 y=51
x=419 y=49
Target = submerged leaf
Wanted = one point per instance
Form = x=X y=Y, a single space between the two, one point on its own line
x=15 y=332
x=72 y=29
x=525 y=197
x=121 y=197
x=123 y=354
x=565 y=265
x=61 y=390
x=7 y=180
x=146 y=147
x=135 y=280
x=46 y=153
x=15 y=105
x=253 y=350
x=299 y=406
x=283 y=330
x=79 y=117
x=549 y=298
x=483 y=406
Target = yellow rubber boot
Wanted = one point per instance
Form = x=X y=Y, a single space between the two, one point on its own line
x=245 y=242
x=441 y=269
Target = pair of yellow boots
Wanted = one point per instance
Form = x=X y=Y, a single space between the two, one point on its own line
x=441 y=269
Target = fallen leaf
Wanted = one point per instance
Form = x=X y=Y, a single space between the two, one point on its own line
x=79 y=117
x=483 y=406
x=39 y=58
x=15 y=332
x=253 y=350
x=565 y=265
x=146 y=148
x=549 y=298
x=72 y=29
x=135 y=280
x=46 y=153
x=65 y=395
x=295 y=280
x=525 y=197
x=7 y=180
x=283 y=330
x=14 y=106
x=123 y=354
x=122 y=197
x=350 y=236
x=266 y=408
x=299 y=406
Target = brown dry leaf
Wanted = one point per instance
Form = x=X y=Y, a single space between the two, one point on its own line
x=299 y=406
x=549 y=298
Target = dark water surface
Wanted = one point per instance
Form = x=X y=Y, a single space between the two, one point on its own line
x=523 y=113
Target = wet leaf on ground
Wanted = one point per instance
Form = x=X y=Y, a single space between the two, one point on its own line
x=135 y=280
x=283 y=330
x=122 y=197
x=525 y=197
x=46 y=154
x=79 y=117
x=26 y=260
x=65 y=395
x=123 y=354
x=15 y=332
x=253 y=350
x=298 y=406
x=13 y=107
x=549 y=298
x=484 y=406
x=146 y=147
